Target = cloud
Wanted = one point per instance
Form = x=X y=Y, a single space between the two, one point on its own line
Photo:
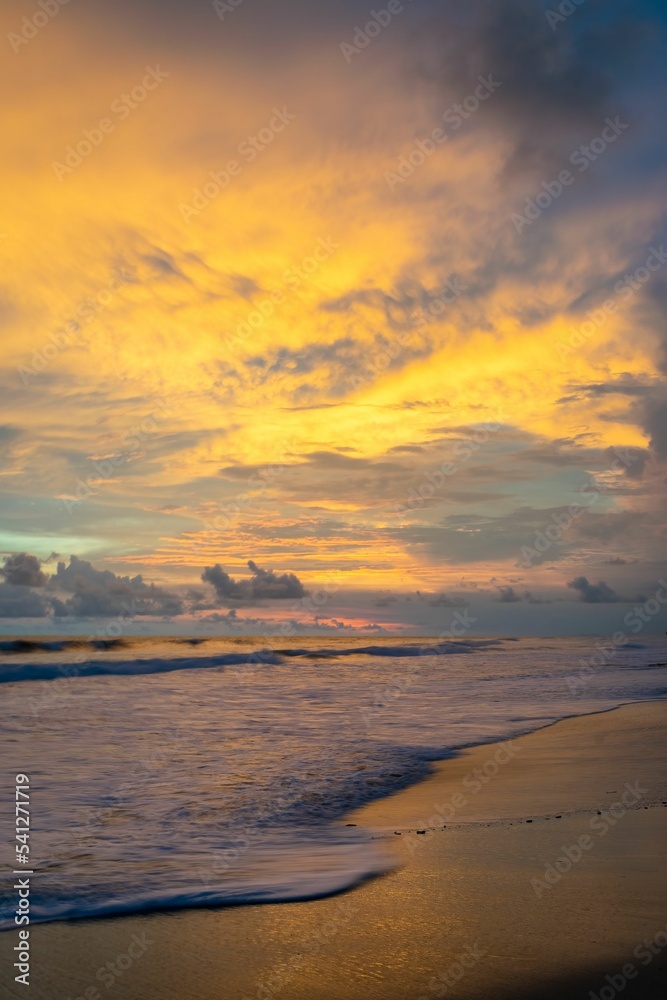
x=649 y=410
x=264 y=584
x=535 y=599
x=8 y=433
x=231 y=623
x=555 y=84
x=23 y=570
x=594 y=593
x=446 y=601
x=101 y=592
x=334 y=338
x=224 y=585
x=475 y=538
x=319 y=372
x=631 y=460
x=552 y=453
x=508 y=595
x=655 y=424
x=406 y=449
x=22 y=602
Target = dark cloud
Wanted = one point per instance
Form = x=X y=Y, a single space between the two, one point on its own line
x=554 y=453
x=233 y=623
x=604 y=528
x=531 y=598
x=264 y=584
x=23 y=570
x=632 y=461
x=267 y=584
x=102 y=593
x=385 y=600
x=627 y=385
x=244 y=286
x=22 y=602
x=508 y=595
x=94 y=592
x=594 y=593
x=648 y=410
x=395 y=309
x=556 y=85
x=225 y=586
x=341 y=367
x=384 y=480
x=333 y=474
x=530 y=533
x=308 y=359
x=447 y=601
x=462 y=538
x=654 y=312
x=655 y=424
x=198 y=600
x=162 y=264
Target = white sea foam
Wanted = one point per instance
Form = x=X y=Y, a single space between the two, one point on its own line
x=161 y=781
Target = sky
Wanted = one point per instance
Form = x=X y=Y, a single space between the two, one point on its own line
x=347 y=316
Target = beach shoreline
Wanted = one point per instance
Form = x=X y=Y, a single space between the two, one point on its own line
x=523 y=903
x=495 y=774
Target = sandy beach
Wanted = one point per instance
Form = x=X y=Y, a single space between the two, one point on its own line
x=548 y=880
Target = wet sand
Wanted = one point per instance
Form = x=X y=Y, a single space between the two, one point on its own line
x=548 y=881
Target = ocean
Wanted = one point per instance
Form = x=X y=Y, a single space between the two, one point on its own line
x=183 y=772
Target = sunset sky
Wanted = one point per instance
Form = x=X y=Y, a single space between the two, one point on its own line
x=372 y=309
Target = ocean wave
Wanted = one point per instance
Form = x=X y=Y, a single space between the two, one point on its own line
x=421 y=649
x=295 y=871
x=11 y=673
x=196 y=791
x=33 y=646
x=57 y=645
x=92 y=668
